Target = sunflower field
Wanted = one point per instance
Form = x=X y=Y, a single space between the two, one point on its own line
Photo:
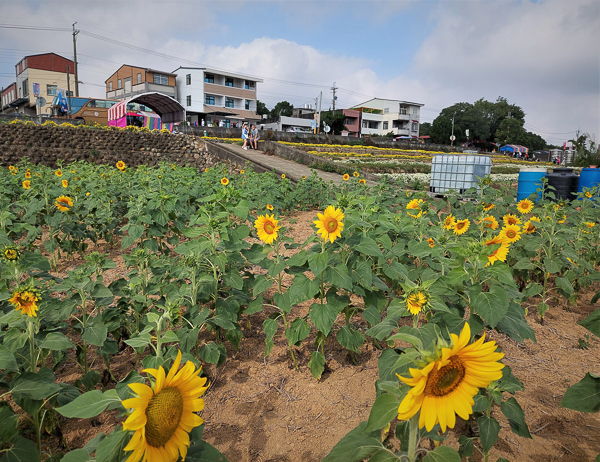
x=422 y=280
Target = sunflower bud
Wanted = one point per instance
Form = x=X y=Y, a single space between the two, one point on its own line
x=10 y=253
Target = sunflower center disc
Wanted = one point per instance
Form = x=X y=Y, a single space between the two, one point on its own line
x=269 y=228
x=163 y=416
x=332 y=225
x=510 y=234
x=447 y=379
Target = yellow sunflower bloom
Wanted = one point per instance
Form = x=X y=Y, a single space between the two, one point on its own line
x=58 y=173
x=415 y=204
x=304 y=177
x=25 y=301
x=346 y=177
x=267 y=227
x=269 y=207
x=283 y=175
x=588 y=194
x=431 y=242
x=121 y=165
x=590 y=224
x=329 y=223
x=27 y=174
x=490 y=222
x=415 y=302
x=224 y=181
x=446 y=386
x=11 y=253
x=65 y=183
x=461 y=227
x=163 y=417
x=449 y=222
x=499 y=239
x=362 y=181
x=11 y=167
x=356 y=174
x=64 y=203
x=26 y=184
x=242 y=172
x=511 y=233
x=528 y=228
x=499 y=254
x=525 y=206
x=564 y=218
x=487 y=207
x=510 y=219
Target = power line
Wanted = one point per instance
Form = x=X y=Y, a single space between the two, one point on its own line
x=14 y=26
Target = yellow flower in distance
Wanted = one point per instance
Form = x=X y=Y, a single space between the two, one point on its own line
x=242 y=172
x=26 y=184
x=511 y=233
x=28 y=175
x=163 y=417
x=490 y=222
x=499 y=254
x=415 y=204
x=590 y=224
x=431 y=242
x=499 y=239
x=525 y=206
x=224 y=181
x=487 y=207
x=461 y=227
x=11 y=168
x=329 y=223
x=528 y=227
x=510 y=219
x=449 y=222
x=362 y=181
x=283 y=175
x=26 y=301
x=346 y=177
x=65 y=183
x=121 y=165
x=64 y=203
x=588 y=194
x=58 y=173
x=266 y=227
x=564 y=218
x=447 y=385
x=356 y=174
x=415 y=302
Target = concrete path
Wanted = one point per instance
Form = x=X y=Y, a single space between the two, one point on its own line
x=292 y=170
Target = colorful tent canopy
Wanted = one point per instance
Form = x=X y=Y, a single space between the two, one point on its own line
x=514 y=148
x=169 y=109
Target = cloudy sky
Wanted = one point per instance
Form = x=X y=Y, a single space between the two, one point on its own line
x=541 y=55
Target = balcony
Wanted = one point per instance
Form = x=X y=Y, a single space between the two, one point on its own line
x=236 y=92
x=403 y=117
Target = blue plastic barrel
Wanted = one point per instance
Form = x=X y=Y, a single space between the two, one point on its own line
x=588 y=178
x=529 y=181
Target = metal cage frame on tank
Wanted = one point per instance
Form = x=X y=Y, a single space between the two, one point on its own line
x=457 y=172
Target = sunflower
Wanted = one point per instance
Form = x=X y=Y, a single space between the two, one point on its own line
x=346 y=177
x=65 y=183
x=224 y=181
x=528 y=228
x=362 y=181
x=590 y=224
x=121 y=165
x=242 y=172
x=415 y=302
x=525 y=206
x=490 y=222
x=269 y=207
x=283 y=176
x=588 y=194
x=499 y=254
x=564 y=218
x=511 y=220
x=266 y=227
x=329 y=223
x=449 y=222
x=28 y=175
x=461 y=227
x=446 y=386
x=11 y=167
x=26 y=301
x=356 y=174
x=499 y=239
x=163 y=417
x=415 y=204
x=26 y=184
x=11 y=253
x=304 y=177
x=431 y=242
x=511 y=233
x=63 y=203
x=58 y=173
x=487 y=207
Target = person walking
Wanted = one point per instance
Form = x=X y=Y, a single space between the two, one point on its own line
x=254 y=137
x=245 y=135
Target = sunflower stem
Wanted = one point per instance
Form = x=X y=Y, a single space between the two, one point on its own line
x=412 y=437
x=32 y=358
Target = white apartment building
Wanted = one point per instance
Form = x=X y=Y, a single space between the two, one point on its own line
x=210 y=96
x=382 y=116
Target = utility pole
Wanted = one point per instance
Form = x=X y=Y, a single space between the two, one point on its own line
x=319 y=119
x=452 y=137
x=334 y=88
x=75 y=32
x=68 y=93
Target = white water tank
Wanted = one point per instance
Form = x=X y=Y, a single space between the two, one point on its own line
x=457 y=172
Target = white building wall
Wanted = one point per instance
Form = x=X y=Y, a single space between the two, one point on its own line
x=195 y=89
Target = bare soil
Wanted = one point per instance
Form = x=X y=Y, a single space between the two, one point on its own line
x=262 y=409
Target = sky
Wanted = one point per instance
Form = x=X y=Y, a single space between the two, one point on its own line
x=543 y=55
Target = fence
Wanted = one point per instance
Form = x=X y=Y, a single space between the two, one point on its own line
x=37 y=119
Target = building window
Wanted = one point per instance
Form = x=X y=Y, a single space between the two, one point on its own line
x=386 y=110
x=161 y=79
x=349 y=122
x=109 y=86
x=247 y=105
x=119 y=83
x=415 y=110
x=385 y=125
x=228 y=82
x=139 y=78
x=210 y=100
x=415 y=126
x=403 y=110
x=209 y=78
x=249 y=85
x=51 y=90
x=25 y=88
x=365 y=124
x=188 y=100
x=188 y=79
x=228 y=102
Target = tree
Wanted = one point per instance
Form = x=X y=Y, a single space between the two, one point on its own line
x=261 y=108
x=440 y=130
x=535 y=142
x=424 y=128
x=282 y=108
x=511 y=131
x=335 y=120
